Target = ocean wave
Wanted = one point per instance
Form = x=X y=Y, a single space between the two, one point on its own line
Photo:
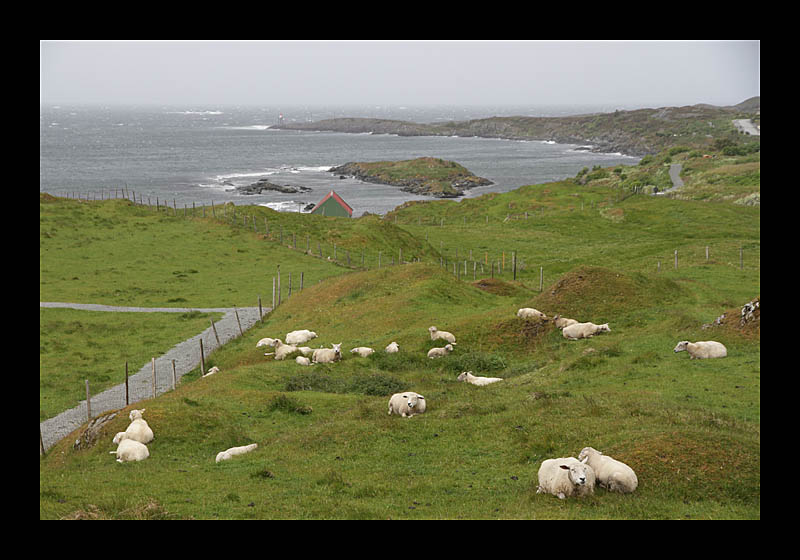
x=194 y=112
x=248 y=127
x=287 y=206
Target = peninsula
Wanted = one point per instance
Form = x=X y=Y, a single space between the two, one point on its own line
x=638 y=132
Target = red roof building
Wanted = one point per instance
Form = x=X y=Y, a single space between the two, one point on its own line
x=333 y=205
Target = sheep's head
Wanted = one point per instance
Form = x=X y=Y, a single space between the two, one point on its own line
x=413 y=400
x=119 y=437
x=449 y=347
x=464 y=375
x=578 y=472
x=337 y=348
x=432 y=329
x=681 y=346
x=586 y=452
x=136 y=414
x=604 y=328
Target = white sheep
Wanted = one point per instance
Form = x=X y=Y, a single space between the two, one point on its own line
x=327 y=355
x=702 y=349
x=282 y=350
x=303 y=361
x=362 y=351
x=530 y=313
x=437 y=334
x=392 y=348
x=211 y=371
x=613 y=475
x=228 y=453
x=584 y=330
x=266 y=342
x=305 y=350
x=561 y=322
x=566 y=476
x=439 y=352
x=467 y=377
x=130 y=450
x=138 y=430
x=407 y=404
x=299 y=337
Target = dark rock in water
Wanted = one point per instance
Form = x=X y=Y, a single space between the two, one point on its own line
x=308 y=207
x=264 y=185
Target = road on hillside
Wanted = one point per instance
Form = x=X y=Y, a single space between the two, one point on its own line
x=186 y=355
x=747 y=126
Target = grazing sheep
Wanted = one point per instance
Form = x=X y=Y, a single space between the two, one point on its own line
x=439 y=352
x=282 y=350
x=530 y=313
x=212 y=371
x=137 y=430
x=583 y=330
x=392 y=348
x=561 y=322
x=407 y=404
x=437 y=334
x=613 y=475
x=266 y=342
x=362 y=351
x=566 y=476
x=467 y=377
x=130 y=450
x=327 y=355
x=299 y=337
x=303 y=361
x=228 y=453
x=702 y=349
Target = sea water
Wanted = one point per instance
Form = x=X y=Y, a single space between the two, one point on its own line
x=186 y=155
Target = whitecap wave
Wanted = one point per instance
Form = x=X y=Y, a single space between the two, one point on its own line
x=287 y=206
x=194 y=112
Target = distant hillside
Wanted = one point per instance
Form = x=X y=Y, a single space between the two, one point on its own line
x=639 y=132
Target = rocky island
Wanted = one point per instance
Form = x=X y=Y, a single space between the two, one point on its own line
x=425 y=175
x=264 y=185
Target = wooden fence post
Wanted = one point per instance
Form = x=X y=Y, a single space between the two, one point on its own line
x=127 y=397
x=202 y=359
x=174 y=375
x=236 y=312
x=214 y=328
x=88 y=403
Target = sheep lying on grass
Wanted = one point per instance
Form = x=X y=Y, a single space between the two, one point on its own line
x=228 y=453
x=137 y=430
x=266 y=342
x=130 y=450
x=530 y=313
x=407 y=404
x=702 y=349
x=305 y=350
x=392 y=348
x=211 y=371
x=282 y=350
x=439 y=352
x=467 y=377
x=584 y=330
x=613 y=475
x=299 y=337
x=327 y=355
x=437 y=334
x=565 y=477
x=362 y=351
x=561 y=322
x=303 y=361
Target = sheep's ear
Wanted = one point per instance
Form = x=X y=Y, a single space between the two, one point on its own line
x=565 y=467
x=585 y=459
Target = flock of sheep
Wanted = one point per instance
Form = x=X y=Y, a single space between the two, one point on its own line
x=562 y=477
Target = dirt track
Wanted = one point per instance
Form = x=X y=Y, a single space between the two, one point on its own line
x=186 y=355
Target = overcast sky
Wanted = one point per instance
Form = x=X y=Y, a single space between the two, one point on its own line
x=623 y=73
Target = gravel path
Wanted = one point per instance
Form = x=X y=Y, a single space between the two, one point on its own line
x=186 y=355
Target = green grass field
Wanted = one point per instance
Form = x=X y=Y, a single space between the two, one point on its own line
x=328 y=449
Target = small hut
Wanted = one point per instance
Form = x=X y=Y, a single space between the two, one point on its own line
x=333 y=205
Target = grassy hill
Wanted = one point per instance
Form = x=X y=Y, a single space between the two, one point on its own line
x=328 y=449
